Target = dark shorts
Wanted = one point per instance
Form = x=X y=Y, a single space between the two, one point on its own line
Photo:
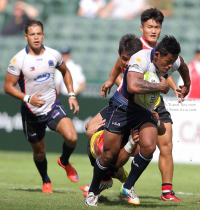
x=103 y=112
x=121 y=118
x=34 y=126
x=163 y=113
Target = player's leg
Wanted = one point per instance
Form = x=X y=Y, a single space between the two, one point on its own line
x=166 y=164
x=59 y=121
x=147 y=140
x=66 y=129
x=35 y=133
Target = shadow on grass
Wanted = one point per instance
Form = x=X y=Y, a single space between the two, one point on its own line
x=36 y=190
x=145 y=204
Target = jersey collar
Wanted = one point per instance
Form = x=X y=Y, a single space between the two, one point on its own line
x=27 y=48
x=152 y=53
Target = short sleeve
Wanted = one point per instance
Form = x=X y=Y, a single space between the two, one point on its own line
x=13 y=67
x=138 y=63
x=176 y=64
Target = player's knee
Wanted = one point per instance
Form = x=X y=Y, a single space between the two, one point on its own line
x=149 y=149
x=39 y=155
x=110 y=155
x=71 y=137
x=166 y=149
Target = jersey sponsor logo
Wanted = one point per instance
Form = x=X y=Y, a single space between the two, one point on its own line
x=39 y=59
x=13 y=60
x=11 y=67
x=55 y=114
x=42 y=77
x=115 y=123
x=51 y=63
x=32 y=68
x=135 y=66
x=138 y=59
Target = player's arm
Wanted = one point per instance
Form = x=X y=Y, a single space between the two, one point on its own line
x=184 y=73
x=9 y=88
x=94 y=127
x=137 y=84
x=114 y=73
x=69 y=85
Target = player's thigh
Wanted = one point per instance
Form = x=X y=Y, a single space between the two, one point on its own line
x=148 y=136
x=112 y=142
x=66 y=128
x=164 y=142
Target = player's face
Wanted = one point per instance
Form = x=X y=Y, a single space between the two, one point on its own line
x=124 y=59
x=197 y=55
x=164 y=63
x=151 y=30
x=34 y=37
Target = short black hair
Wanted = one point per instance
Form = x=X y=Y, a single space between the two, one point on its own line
x=168 y=45
x=31 y=23
x=152 y=13
x=129 y=44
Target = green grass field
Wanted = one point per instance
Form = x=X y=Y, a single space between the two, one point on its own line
x=20 y=186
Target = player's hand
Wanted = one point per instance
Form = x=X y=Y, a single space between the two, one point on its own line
x=106 y=87
x=182 y=92
x=73 y=104
x=102 y=123
x=37 y=101
x=164 y=85
x=156 y=116
x=135 y=135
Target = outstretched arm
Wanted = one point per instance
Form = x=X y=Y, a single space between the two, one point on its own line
x=114 y=75
x=184 y=72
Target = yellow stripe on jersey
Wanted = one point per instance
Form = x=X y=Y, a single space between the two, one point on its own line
x=157 y=102
x=93 y=145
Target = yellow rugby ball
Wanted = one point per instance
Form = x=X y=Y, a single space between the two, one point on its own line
x=150 y=98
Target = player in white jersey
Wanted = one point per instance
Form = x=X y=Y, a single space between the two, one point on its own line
x=151 y=20
x=33 y=68
x=124 y=113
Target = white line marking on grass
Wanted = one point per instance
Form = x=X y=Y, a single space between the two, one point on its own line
x=185 y=193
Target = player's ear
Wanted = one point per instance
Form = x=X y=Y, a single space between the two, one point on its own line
x=25 y=37
x=141 y=29
x=156 y=54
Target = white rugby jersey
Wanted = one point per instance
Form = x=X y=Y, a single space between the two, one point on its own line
x=141 y=62
x=36 y=77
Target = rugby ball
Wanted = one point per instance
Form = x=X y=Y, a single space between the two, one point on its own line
x=150 y=98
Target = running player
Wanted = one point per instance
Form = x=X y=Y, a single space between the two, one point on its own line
x=151 y=20
x=123 y=113
x=33 y=68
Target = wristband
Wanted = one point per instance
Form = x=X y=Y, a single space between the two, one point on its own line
x=158 y=123
x=27 y=98
x=129 y=145
x=71 y=95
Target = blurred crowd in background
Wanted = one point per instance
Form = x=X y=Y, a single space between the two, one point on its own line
x=14 y=14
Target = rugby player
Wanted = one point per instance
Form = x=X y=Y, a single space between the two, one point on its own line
x=125 y=113
x=151 y=20
x=33 y=68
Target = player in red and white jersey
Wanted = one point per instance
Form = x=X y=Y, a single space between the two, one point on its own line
x=33 y=68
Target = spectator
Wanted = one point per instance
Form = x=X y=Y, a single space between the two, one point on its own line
x=90 y=8
x=126 y=9
x=3 y=4
x=78 y=77
x=22 y=13
x=165 y=6
x=194 y=68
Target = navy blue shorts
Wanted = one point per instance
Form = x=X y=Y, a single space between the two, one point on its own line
x=121 y=118
x=163 y=113
x=34 y=126
x=103 y=112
